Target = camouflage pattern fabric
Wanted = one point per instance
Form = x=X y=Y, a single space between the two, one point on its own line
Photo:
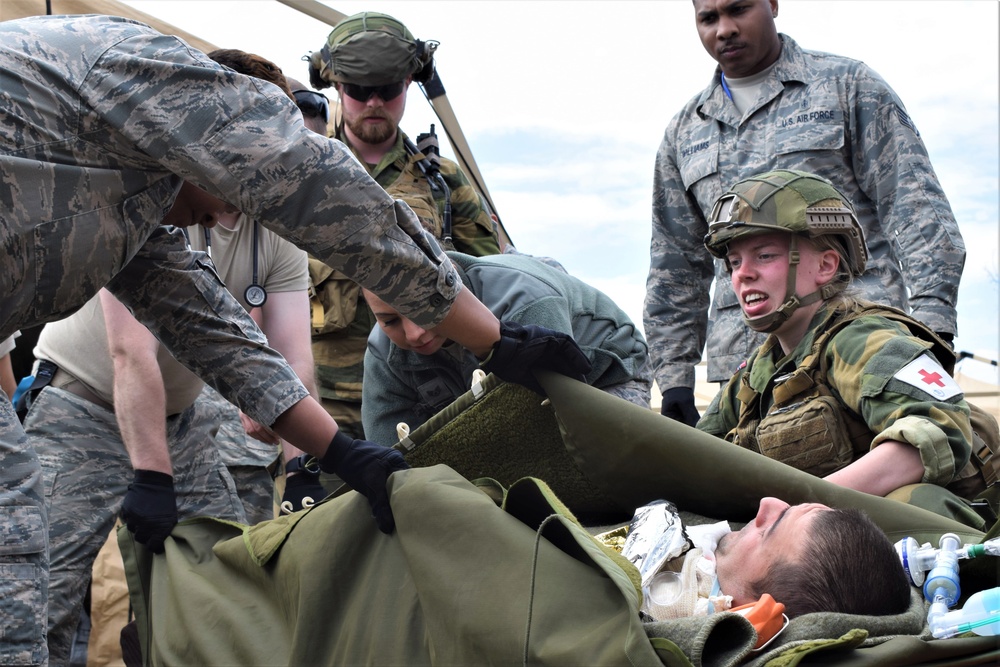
x=24 y=556
x=85 y=465
x=113 y=116
x=339 y=344
x=248 y=460
x=862 y=360
x=821 y=113
x=473 y=231
x=107 y=76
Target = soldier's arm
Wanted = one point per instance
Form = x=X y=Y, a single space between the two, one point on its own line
x=889 y=466
x=284 y=319
x=675 y=315
x=868 y=362
x=892 y=165
x=140 y=397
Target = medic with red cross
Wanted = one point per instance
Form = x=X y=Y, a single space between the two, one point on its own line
x=842 y=388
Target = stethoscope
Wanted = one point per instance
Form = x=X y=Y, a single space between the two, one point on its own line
x=255 y=295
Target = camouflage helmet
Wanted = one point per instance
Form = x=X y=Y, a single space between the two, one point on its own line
x=787 y=201
x=370 y=49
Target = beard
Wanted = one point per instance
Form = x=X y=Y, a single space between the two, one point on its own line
x=372 y=133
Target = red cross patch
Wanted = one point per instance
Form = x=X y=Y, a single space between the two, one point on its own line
x=926 y=374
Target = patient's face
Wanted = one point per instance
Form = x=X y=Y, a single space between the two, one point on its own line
x=404 y=332
x=779 y=532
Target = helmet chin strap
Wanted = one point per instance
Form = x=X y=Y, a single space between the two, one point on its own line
x=773 y=320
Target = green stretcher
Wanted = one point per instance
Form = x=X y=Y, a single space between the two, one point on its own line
x=492 y=561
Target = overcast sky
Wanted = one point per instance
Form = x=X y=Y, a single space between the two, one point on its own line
x=564 y=104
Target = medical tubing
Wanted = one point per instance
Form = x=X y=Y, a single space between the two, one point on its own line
x=942 y=580
x=917 y=560
x=980 y=614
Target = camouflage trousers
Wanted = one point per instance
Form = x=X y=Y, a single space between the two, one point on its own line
x=250 y=462
x=86 y=473
x=23 y=553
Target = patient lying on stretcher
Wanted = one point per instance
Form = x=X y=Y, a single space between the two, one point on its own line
x=808 y=557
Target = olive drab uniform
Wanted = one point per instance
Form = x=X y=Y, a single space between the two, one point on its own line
x=843 y=390
x=103 y=118
x=817 y=112
x=341 y=319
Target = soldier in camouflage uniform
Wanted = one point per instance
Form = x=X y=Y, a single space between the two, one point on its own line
x=371 y=59
x=883 y=413
x=773 y=105
x=109 y=131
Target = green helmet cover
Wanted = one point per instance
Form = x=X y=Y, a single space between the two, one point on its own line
x=787 y=201
x=800 y=204
x=371 y=49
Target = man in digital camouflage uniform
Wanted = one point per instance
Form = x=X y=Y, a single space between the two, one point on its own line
x=773 y=105
x=371 y=59
x=870 y=406
x=115 y=383
x=109 y=131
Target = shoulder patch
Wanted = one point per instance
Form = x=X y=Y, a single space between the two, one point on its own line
x=925 y=373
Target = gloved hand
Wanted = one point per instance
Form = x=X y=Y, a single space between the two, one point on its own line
x=523 y=348
x=678 y=404
x=150 y=508
x=365 y=467
x=300 y=487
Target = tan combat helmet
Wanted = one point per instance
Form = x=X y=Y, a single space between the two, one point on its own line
x=800 y=204
x=371 y=49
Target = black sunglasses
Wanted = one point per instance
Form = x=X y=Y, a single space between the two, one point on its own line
x=312 y=104
x=389 y=91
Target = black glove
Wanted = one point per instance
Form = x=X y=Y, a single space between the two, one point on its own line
x=523 y=348
x=298 y=488
x=150 y=508
x=365 y=467
x=678 y=404
x=947 y=337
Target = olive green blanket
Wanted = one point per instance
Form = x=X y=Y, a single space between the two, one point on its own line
x=464 y=581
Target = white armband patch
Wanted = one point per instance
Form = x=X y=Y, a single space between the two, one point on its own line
x=926 y=374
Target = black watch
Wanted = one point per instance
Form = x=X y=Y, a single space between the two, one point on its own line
x=306 y=463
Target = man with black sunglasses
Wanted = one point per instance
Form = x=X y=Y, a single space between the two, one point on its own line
x=371 y=59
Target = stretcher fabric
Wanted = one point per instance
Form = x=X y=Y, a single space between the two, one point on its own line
x=463 y=581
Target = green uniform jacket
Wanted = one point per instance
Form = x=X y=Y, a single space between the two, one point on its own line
x=864 y=362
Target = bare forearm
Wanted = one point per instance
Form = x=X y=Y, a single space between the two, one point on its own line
x=306 y=426
x=889 y=466
x=140 y=406
x=470 y=324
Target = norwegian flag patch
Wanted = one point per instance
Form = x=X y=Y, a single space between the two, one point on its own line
x=926 y=374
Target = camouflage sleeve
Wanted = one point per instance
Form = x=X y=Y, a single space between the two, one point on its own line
x=865 y=364
x=178 y=296
x=722 y=414
x=675 y=314
x=385 y=399
x=893 y=168
x=473 y=230
x=243 y=141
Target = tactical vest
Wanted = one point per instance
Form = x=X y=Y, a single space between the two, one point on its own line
x=809 y=429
